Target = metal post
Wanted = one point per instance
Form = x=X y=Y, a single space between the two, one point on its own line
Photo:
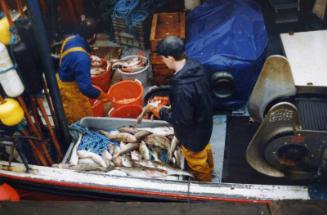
x=44 y=49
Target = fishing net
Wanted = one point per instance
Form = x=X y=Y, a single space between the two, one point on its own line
x=91 y=141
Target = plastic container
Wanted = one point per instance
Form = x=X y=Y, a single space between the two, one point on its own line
x=9 y=79
x=97 y=107
x=103 y=80
x=141 y=75
x=127 y=111
x=126 y=92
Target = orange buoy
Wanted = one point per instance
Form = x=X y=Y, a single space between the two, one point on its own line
x=8 y=193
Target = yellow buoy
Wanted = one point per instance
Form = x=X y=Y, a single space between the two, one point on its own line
x=5 y=34
x=11 y=113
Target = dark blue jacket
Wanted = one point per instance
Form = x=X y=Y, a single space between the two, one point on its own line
x=191 y=106
x=76 y=66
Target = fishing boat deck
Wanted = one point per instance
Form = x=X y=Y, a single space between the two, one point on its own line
x=100 y=207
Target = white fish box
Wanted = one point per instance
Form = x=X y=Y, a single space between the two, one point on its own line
x=107 y=123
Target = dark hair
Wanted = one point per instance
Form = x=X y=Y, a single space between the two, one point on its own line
x=171 y=46
x=87 y=28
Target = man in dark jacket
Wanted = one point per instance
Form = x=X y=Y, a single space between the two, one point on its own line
x=191 y=107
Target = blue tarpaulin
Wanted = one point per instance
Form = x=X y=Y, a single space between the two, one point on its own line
x=228 y=36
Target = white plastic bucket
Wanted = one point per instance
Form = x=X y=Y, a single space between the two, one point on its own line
x=141 y=75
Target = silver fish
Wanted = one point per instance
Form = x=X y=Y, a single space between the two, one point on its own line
x=140 y=135
x=87 y=161
x=94 y=156
x=74 y=157
x=170 y=170
x=128 y=129
x=172 y=148
x=155 y=155
x=178 y=157
x=144 y=151
x=106 y=155
x=163 y=130
x=127 y=148
x=158 y=140
x=126 y=161
x=135 y=155
x=111 y=149
x=142 y=172
x=119 y=136
x=117 y=161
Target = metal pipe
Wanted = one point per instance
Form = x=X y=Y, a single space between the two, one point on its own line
x=36 y=151
x=37 y=118
x=20 y=7
x=51 y=131
x=28 y=117
x=6 y=11
x=47 y=96
x=44 y=49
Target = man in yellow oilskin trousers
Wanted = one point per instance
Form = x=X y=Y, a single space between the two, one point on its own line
x=74 y=79
x=191 y=107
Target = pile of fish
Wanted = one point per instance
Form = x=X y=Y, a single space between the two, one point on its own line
x=130 y=65
x=141 y=152
x=98 y=65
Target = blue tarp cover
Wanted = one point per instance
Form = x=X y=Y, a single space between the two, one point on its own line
x=226 y=35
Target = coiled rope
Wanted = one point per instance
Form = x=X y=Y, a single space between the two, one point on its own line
x=91 y=141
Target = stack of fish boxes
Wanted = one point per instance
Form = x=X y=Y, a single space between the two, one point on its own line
x=136 y=36
x=164 y=24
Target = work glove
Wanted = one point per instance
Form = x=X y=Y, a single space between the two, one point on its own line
x=164 y=100
x=155 y=108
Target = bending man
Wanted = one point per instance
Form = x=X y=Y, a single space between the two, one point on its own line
x=75 y=83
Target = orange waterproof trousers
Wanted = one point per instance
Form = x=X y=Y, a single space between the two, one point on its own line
x=200 y=163
x=76 y=105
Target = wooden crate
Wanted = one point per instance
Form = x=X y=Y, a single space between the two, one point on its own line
x=166 y=24
x=160 y=71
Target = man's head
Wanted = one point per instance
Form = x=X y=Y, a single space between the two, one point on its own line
x=87 y=29
x=171 y=50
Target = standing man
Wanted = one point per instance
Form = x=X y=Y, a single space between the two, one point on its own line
x=191 y=107
x=75 y=83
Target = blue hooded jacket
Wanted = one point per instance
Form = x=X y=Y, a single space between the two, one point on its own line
x=191 y=106
x=76 y=66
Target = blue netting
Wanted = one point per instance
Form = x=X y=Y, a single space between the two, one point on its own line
x=135 y=11
x=92 y=141
x=124 y=8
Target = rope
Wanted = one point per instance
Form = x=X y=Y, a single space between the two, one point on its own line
x=124 y=8
x=8 y=69
x=135 y=12
x=91 y=141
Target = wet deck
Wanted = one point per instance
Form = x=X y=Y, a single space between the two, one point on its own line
x=99 y=208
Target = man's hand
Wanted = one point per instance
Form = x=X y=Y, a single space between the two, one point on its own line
x=155 y=108
x=103 y=96
x=163 y=100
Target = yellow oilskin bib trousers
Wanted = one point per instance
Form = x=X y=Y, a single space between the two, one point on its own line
x=76 y=105
x=200 y=163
